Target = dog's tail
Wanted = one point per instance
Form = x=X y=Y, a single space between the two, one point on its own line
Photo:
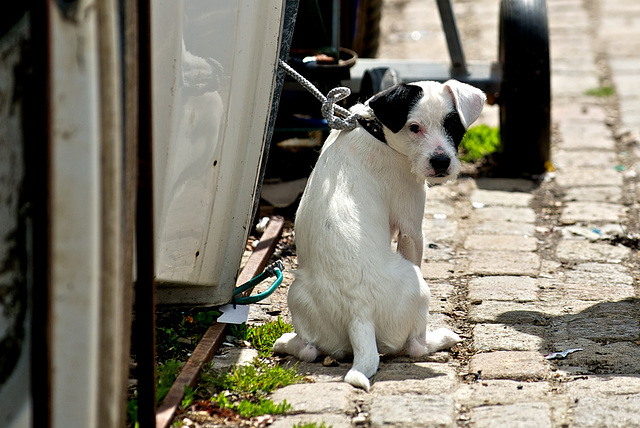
x=362 y=336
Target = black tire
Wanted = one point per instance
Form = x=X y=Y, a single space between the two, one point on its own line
x=375 y=80
x=525 y=93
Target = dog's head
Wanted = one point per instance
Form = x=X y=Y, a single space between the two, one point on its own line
x=426 y=121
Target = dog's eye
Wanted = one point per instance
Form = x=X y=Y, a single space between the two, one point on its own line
x=414 y=127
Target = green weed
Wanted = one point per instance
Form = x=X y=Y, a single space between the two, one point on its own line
x=257 y=378
x=262 y=337
x=601 y=92
x=189 y=397
x=166 y=373
x=250 y=409
x=478 y=142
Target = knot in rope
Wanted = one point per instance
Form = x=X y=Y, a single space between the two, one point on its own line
x=329 y=108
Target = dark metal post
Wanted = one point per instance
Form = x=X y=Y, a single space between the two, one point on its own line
x=458 y=63
x=144 y=334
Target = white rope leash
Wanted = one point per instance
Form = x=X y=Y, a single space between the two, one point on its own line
x=329 y=108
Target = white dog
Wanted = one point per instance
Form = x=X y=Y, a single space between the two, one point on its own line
x=353 y=294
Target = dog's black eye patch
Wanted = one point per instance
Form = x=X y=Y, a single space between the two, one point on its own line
x=393 y=105
x=454 y=127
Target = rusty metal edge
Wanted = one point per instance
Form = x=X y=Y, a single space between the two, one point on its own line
x=212 y=339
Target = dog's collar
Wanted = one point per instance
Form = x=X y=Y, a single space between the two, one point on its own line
x=373 y=127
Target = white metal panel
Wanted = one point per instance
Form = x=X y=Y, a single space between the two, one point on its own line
x=75 y=217
x=89 y=281
x=214 y=64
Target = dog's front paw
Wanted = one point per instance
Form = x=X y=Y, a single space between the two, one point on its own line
x=357 y=379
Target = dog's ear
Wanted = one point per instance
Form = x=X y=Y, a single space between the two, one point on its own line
x=392 y=106
x=467 y=99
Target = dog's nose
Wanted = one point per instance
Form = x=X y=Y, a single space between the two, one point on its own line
x=440 y=163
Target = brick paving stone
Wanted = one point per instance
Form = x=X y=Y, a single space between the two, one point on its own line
x=606 y=321
x=488 y=392
x=517 y=415
x=438 y=207
x=414 y=378
x=611 y=411
x=439 y=231
x=510 y=313
x=441 y=298
x=437 y=270
x=326 y=397
x=578 y=111
x=600 y=385
x=574 y=84
x=566 y=159
x=595 y=292
x=618 y=358
x=501 y=198
x=589 y=177
x=572 y=250
x=592 y=212
x=503 y=337
x=329 y=420
x=507 y=288
x=503 y=263
x=490 y=227
x=611 y=194
x=317 y=372
x=505 y=214
x=412 y=410
x=604 y=274
x=437 y=252
x=513 y=365
x=500 y=243
x=585 y=135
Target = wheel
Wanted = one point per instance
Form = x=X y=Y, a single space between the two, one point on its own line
x=375 y=80
x=525 y=92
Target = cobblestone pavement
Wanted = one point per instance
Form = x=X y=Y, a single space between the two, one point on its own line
x=519 y=269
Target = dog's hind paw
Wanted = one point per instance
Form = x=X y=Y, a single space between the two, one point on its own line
x=357 y=379
x=440 y=339
x=291 y=343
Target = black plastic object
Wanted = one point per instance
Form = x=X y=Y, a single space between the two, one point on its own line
x=525 y=94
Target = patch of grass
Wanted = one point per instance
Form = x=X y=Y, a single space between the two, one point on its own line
x=478 y=142
x=262 y=337
x=259 y=378
x=250 y=409
x=166 y=373
x=601 y=92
